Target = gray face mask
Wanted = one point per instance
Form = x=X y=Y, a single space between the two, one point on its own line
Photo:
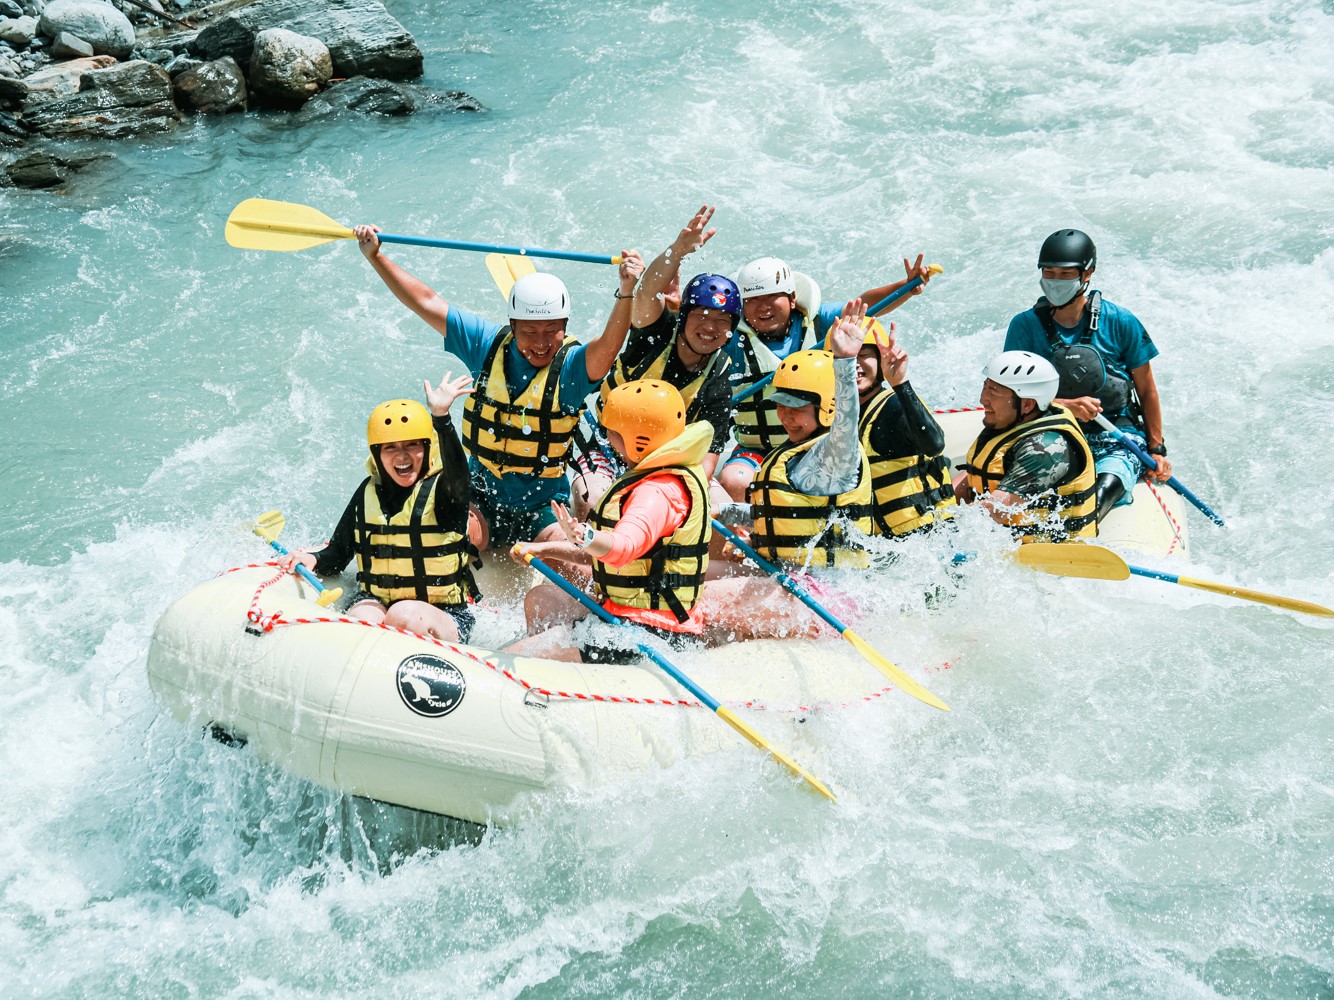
x=1062 y=291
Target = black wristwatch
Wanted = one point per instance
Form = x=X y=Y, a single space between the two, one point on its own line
x=1159 y=449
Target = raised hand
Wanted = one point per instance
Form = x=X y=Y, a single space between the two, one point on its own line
x=367 y=240
x=440 y=398
x=845 y=337
x=893 y=358
x=695 y=234
x=632 y=266
x=917 y=270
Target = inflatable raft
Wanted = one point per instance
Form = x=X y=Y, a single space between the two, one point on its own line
x=464 y=731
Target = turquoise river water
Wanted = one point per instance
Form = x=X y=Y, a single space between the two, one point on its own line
x=1134 y=795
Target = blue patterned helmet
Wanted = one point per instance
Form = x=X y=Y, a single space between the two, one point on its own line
x=712 y=291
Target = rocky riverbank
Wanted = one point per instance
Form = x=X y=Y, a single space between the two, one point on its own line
x=79 y=70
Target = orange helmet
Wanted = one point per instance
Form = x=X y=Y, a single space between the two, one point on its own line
x=804 y=378
x=646 y=414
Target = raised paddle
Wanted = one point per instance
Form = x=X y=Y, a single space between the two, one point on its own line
x=1149 y=462
x=269 y=526
x=1093 y=562
x=673 y=671
x=868 y=652
x=884 y=303
x=260 y=224
x=506 y=269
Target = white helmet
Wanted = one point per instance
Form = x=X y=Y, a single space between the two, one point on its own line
x=1029 y=376
x=539 y=296
x=766 y=276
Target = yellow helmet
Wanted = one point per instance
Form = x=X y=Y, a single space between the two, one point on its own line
x=646 y=414
x=398 y=420
x=805 y=378
x=871 y=326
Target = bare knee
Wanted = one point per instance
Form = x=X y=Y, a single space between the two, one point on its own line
x=423 y=619
x=586 y=491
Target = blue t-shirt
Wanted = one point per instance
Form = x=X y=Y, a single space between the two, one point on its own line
x=469 y=337
x=1120 y=338
x=825 y=317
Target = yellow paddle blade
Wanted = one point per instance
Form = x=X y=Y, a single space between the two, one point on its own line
x=935 y=269
x=901 y=680
x=728 y=716
x=260 y=224
x=269 y=525
x=1092 y=562
x=328 y=595
x=1259 y=597
x=506 y=269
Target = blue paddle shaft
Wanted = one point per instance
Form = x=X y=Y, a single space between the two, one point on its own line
x=789 y=584
x=1153 y=574
x=668 y=667
x=1149 y=462
x=887 y=301
x=306 y=574
x=425 y=241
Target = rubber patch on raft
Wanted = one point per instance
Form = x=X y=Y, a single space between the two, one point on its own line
x=430 y=686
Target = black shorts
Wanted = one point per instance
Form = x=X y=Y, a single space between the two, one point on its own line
x=595 y=650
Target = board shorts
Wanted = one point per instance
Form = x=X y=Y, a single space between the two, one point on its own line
x=1111 y=456
x=464 y=619
x=509 y=524
x=752 y=459
x=601 y=642
x=590 y=451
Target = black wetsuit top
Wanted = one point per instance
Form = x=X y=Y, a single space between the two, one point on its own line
x=906 y=427
x=453 y=493
x=713 y=402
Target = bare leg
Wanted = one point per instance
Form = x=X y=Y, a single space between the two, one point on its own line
x=547 y=606
x=587 y=489
x=553 y=644
x=735 y=477
x=738 y=610
x=479 y=530
x=367 y=611
x=424 y=619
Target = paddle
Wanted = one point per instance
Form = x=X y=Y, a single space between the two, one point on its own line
x=868 y=653
x=1093 y=562
x=506 y=269
x=884 y=303
x=260 y=224
x=1149 y=462
x=673 y=671
x=269 y=526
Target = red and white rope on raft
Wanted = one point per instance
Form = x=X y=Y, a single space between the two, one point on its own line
x=267 y=622
x=1176 y=528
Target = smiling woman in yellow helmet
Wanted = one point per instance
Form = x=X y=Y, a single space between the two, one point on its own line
x=407 y=523
x=646 y=542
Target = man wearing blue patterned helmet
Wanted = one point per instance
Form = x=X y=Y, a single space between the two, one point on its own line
x=685 y=350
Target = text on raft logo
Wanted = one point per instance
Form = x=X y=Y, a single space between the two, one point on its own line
x=430 y=686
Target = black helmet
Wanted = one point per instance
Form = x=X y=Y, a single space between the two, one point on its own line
x=1068 y=248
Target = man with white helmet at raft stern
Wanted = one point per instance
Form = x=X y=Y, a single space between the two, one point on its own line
x=532 y=378
x=647 y=542
x=407 y=523
x=683 y=349
x=781 y=313
x=1030 y=468
x=1103 y=355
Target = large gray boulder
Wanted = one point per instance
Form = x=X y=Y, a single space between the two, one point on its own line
x=362 y=38
x=215 y=88
x=288 y=69
x=364 y=95
x=130 y=98
x=99 y=24
x=18 y=31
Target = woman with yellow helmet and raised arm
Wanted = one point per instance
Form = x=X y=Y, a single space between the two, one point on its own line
x=407 y=523
x=646 y=542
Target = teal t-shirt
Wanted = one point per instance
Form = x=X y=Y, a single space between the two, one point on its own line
x=469 y=337
x=1120 y=338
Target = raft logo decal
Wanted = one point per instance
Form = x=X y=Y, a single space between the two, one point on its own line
x=430 y=686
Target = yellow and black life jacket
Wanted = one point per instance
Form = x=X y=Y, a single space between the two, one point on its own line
x=671 y=574
x=528 y=435
x=804 y=530
x=409 y=556
x=755 y=419
x=908 y=493
x=1073 y=500
x=653 y=367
